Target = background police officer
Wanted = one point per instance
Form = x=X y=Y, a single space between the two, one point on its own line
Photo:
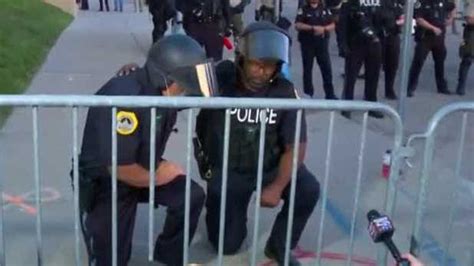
x=237 y=8
x=363 y=25
x=314 y=23
x=170 y=70
x=391 y=46
x=256 y=73
x=207 y=21
x=431 y=16
x=161 y=11
x=466 y=51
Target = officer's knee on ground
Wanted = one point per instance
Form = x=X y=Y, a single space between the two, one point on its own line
x=232 y=242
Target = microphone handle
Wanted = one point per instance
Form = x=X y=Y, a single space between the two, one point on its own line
x=393 y=249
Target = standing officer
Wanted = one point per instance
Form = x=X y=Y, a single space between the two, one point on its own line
x=391 y=46
x=431 y=16
x=466 y=51
x=237 y=8
x=170 y=70
x=256 y=73
x=208 y=21
x=161 y=11
x=314 y=23
x=363 y=26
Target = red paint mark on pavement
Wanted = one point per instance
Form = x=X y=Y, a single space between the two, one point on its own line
x=301 y=254
x=23 y=201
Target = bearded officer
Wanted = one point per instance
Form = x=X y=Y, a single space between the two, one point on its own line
x=173 y=68
x=466 y=51
x=256 y=73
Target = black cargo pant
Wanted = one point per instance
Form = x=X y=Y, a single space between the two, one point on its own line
x=370 y=54
x=309 y=50
x=208 y=34
x=97 y=228
x=390 y=60
x=466 y=60
x=436 y=45
x=239 y=191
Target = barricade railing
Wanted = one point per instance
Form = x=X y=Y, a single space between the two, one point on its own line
x=426 y=171
x=74 y=102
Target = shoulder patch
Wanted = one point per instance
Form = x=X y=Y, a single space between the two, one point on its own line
x=127 y=122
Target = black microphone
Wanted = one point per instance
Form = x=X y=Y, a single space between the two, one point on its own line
x=381 y=230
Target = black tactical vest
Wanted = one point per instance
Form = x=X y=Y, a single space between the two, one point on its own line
x=244 y=132
x=244 y=139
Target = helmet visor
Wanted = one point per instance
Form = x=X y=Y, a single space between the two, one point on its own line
x=266 y=45
x=197 y=80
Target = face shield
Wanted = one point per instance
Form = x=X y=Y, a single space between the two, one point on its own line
x=181 y=59
x=198 y=80
x=265 y=44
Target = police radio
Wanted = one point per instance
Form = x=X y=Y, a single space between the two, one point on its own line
x=381 y=230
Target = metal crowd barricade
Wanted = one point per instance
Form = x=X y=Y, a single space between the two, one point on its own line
x=74 y=102
x=428 y=153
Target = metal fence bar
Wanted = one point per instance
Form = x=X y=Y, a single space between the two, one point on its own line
x=427 y=162
x=391 y=190
x=358 y=184
x=152 y=173
x=261 y=152
x=114 y=186
x=75 y=160
x=39 y=235
x=225 y=163
x=457 y=178
x=325 y=187
x=425 y=172
x=187 y=197
x=405 y=56
x=294 y=169
x=191 y=102
x=214 y=103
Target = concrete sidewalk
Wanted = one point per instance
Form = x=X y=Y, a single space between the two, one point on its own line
x=95 y=45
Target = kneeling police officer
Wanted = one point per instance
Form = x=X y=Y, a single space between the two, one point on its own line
x=170 y=70
x=263 y=48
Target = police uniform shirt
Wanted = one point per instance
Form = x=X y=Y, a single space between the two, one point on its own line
x=133 y=128
x=279 y=122
x=279 y=88
x=391 y=16
x=434 y=12
x=367 y=13
x=319 y=16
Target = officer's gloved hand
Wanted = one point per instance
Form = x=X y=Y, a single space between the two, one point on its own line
x=125 y=70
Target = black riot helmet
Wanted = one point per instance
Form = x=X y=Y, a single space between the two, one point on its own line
x=179 y=58
x=265 y=41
